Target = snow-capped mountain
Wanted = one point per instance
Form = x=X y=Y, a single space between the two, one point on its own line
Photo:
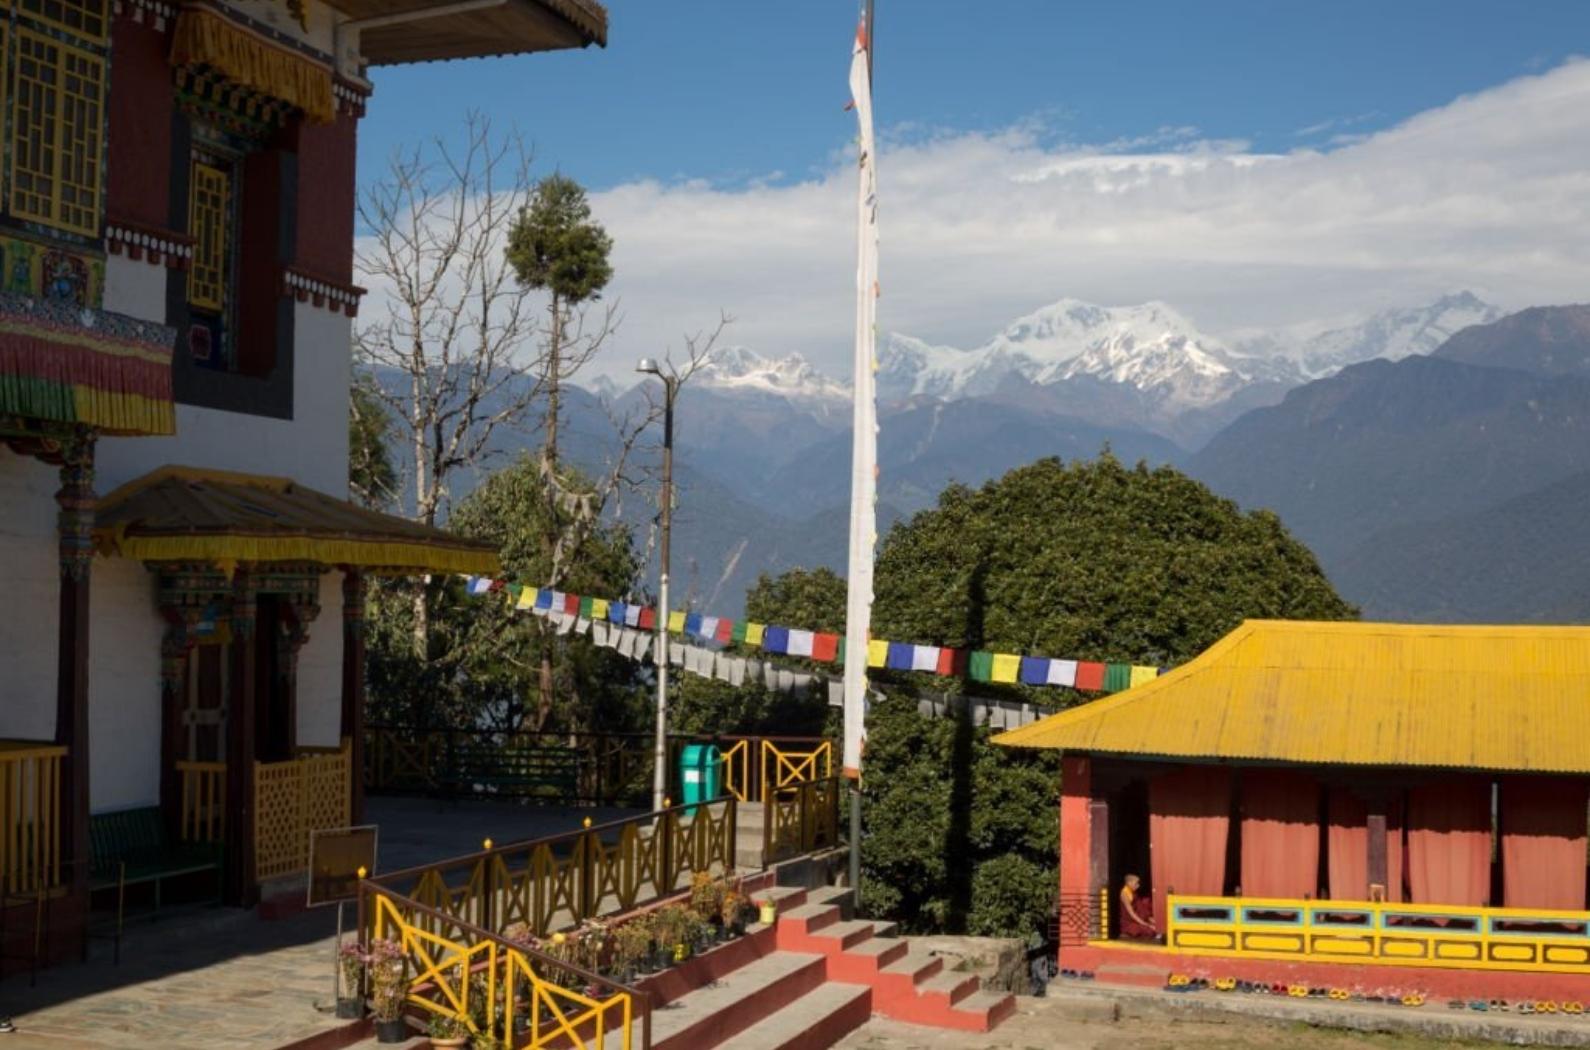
x=1391 y=334
x=738 y=369
x=1149 y=347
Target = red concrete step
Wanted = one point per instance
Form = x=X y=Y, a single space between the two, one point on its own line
x=797 y=924
x=903 y=975
x=813 y=1022
x=841 y=936
x=861 y=963
x=716 y=1013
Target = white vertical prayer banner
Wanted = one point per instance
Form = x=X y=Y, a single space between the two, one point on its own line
x=864 y=412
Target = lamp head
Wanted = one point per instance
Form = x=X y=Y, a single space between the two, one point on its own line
x=649 y=366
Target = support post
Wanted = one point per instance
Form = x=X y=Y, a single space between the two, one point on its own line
x=75 y=529
x=242 y=890
x=1375 y=825
x=173 y=746
x=353 y=686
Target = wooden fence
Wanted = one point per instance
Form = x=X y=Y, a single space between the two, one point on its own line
x=30 y=816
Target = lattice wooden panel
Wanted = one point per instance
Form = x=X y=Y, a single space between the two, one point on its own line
x=278 y=820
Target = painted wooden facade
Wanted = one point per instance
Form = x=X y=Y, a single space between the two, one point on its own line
x=176 y=289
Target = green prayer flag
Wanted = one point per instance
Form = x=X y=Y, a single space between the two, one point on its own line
x=585 y=607
x=738 y=634
x=1117 y=677
x=981 y=666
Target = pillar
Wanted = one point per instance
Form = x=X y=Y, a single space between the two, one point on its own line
x=353 y=686
x=173 y=743
x=1077 y=899
x=241 y=888
x=1375 y=825
x=75 y=529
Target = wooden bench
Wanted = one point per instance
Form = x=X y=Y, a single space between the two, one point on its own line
x=518 y=771
x=130 y=847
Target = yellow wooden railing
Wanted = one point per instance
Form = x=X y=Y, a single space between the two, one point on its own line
x=1425 y=935
x=30 y=816
x=293 y=798
x=555 y=882
x=800 y=818
x=203 y=813
x=752 y=766
x=498 y=988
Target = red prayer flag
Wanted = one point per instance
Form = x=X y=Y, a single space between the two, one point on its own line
x=1090 y=676
x=725 y=631
x=497 y=585
x=648 y=619
x=952 y=662
x=571 y=604
x=825 y=647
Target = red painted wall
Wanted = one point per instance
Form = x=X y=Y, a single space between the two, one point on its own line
x=1076 y=789
x=141 y=101
x=326 y=160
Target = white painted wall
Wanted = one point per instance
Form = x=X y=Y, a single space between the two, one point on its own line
x=320 y=671
x=123 y=687
x=311 y=448
x=28 y=631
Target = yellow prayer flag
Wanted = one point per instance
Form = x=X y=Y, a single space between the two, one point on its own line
x=753 y=633
x=1142 y=674
x=1006 y=667
x=527 y=599
x=877 y=652
x=676 y=623
x=598 y=608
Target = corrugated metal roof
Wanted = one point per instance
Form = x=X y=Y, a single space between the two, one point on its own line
x=1481 y=697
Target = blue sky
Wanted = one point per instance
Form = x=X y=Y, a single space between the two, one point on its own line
x=727 y=90
x=1257 y=166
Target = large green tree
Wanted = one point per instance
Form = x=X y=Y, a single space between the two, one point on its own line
x=1091 y=560
x=485 y=659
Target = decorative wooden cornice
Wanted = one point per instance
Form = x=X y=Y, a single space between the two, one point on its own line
x=351 y=96
x=150 y=243
x=336 y=296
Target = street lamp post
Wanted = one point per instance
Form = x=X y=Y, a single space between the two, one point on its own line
x=659 y=788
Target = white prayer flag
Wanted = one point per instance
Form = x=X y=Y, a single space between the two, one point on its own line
x=800 y=642
x=1062 y=672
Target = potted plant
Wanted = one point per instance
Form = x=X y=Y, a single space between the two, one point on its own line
x=673 y=926
x=698 y=934
x=767 y=911
x=592 y=952
x=632 y=948
x=448 y=1032
x=706 y=896
x=731 y=913
x=351 y=959
x=388 y=990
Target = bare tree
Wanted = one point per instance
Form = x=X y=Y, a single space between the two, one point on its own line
x=457 y=341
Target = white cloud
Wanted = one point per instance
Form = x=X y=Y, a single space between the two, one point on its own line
x=1490 y=192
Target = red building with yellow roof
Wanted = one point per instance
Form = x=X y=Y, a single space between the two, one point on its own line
x=1338 y=803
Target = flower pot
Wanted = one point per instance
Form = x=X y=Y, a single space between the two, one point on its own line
x=438 y=1042
x=681 y=952
x=349 y=1009
x=767 y=912
x=394 y=1031
x=662 y=958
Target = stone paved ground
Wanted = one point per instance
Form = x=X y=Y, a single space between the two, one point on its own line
x=223 y=978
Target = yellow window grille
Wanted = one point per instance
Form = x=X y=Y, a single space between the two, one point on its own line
x=85 y=18
x=209 y=209
x=57 y=127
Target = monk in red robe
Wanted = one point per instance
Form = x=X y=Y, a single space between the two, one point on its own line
x=1137 y=912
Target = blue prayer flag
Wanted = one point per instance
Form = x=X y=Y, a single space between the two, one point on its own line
x=693 y=623
x=615 y=612
x=543 y=598
x=1035 y=670
x=776 y=640
x=900 y=655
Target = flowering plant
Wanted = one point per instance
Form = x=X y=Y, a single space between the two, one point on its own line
x=351 y=960
x=387 y=987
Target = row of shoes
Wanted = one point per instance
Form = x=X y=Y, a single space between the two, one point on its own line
x=1528 y=1006
x=1077 y=975
x=1178 y=982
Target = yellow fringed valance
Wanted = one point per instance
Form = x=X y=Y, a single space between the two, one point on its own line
x=189 y=514
x=205 y=38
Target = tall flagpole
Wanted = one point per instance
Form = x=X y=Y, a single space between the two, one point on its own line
x=864 y=438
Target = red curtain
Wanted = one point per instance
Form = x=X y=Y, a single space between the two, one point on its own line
x=1347 y=848
x=1189 y=812
x=1280 y=834
x=1449 y=842
x=1543 y=842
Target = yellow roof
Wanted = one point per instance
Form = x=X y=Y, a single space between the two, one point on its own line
x=1492 y=698
x=186 y=514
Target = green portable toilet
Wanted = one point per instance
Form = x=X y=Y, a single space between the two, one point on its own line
x=700 y=768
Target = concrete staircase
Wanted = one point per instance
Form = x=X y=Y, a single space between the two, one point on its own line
x=805 y=982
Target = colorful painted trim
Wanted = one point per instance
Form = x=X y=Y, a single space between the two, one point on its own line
x=70 y=364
